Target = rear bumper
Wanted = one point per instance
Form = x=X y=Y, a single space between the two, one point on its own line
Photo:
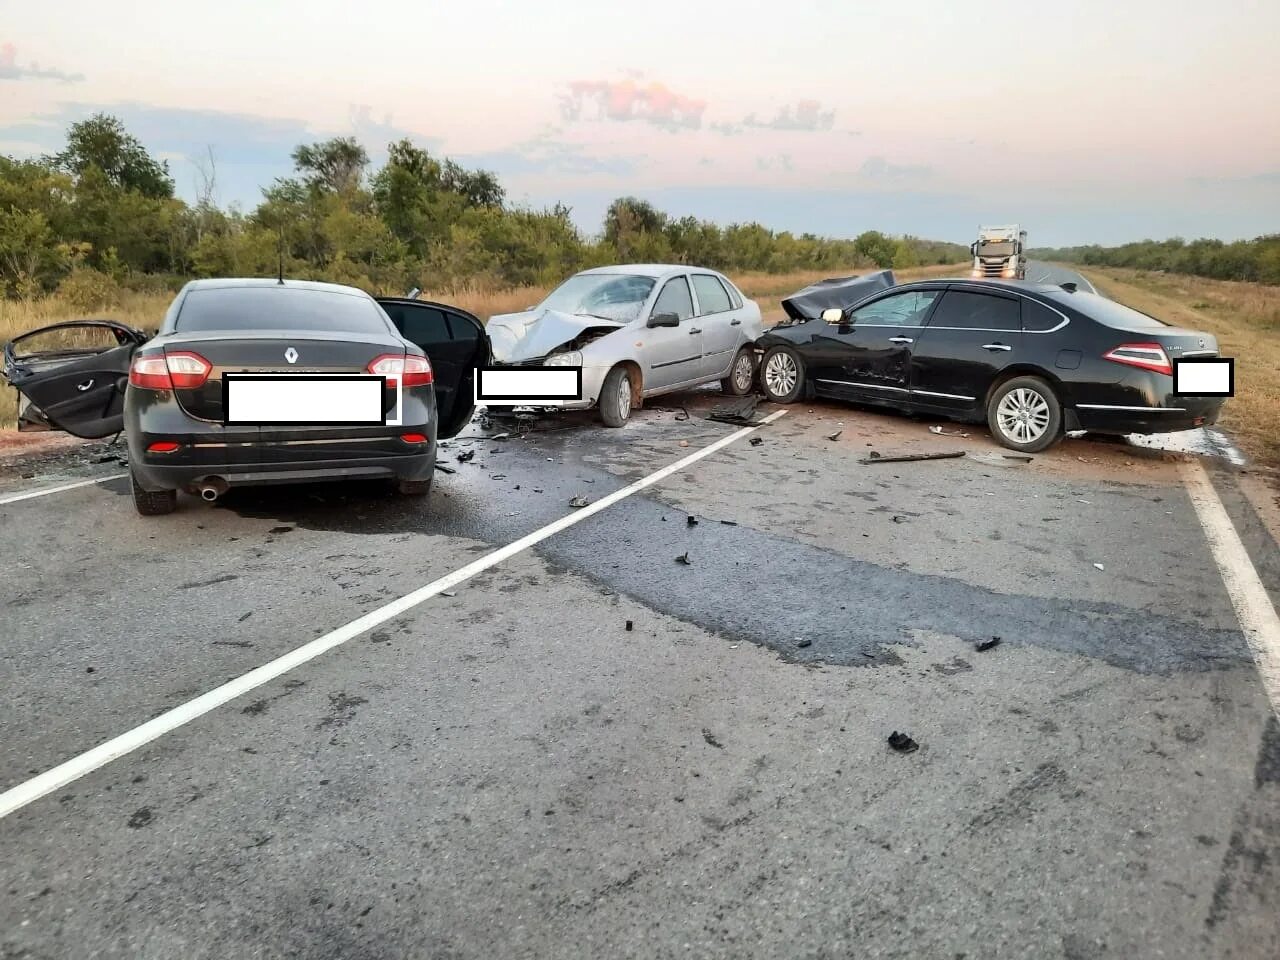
x=1187 y=413
x=253 y=463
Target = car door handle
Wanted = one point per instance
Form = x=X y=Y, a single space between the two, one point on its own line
x=82 y=387
x=695 y=330
x=901 y=340
x=996 y=346
x=735 y=323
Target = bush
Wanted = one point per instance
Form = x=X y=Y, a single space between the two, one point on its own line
x=88 y=289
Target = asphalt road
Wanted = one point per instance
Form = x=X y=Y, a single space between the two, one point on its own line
x=507 y=770
x=1040 y=272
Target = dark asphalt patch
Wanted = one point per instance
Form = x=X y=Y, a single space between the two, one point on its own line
x=750 y=585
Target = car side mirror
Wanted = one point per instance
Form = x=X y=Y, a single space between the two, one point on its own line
x=664 y=320
x=834 y=315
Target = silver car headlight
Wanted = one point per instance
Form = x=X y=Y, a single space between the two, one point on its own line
x=571 y=359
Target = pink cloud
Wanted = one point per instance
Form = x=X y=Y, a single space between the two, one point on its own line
x=624 y=100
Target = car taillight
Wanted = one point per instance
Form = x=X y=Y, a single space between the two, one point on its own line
x=164 y=446
x=412 y=371
x=413 y=437
x=1145 y=356
x=175 y=371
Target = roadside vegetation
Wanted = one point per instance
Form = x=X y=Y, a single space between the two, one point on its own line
x=1255 y=260
x=1245 y=317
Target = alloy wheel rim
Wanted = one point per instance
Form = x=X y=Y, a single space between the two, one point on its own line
x=1023 y=415
x=624 y=396
x=742 y=373
x=780 y=375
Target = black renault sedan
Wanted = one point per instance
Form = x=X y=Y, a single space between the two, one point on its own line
x=259 y=382
x=1032 y=360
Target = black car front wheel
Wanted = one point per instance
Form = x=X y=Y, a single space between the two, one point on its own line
x=782 y=375
x=151 y=503
x=1024 y=414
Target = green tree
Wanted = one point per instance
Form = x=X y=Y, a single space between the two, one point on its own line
x=337 y=164
x=102 y=143
x=30 y=256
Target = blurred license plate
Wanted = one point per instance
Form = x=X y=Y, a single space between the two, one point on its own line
x=299 y=399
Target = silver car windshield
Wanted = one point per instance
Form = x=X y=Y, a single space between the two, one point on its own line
x=612 y=296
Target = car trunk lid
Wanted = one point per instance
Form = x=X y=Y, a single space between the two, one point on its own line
x=275 y=351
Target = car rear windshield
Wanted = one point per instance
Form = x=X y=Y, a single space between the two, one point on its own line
x=1110 y=313
x=278 y=308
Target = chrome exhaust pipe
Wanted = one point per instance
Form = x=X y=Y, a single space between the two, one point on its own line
x=212 y=489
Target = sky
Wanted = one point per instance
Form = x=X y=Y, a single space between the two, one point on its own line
x=1084 y=121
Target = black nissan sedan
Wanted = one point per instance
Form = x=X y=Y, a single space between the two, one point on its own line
x=259 y=382
x=1032 y=360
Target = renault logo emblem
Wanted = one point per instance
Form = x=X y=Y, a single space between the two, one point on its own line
x=291 y=355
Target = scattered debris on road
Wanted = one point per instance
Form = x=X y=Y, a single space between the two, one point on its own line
x=684 y=558
x=466 y=456
x=730 y=523
x=803 y=642
x=835 y=436
x=579 y=501
x=899 y=519
x=708 y=736
x=982 y=646
x=629 y=625
x=909 y=457
x=244 y=616
x=684 y=443
x=443 y=469
x=947 y=433
x=692 y=522
x=1100 y=566
x=741 y=412
x=756 y=441
x=448 y=593
x=902 y=743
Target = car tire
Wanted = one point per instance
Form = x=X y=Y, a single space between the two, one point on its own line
x=1024 y=414
x=782 y=375
x=414 y=488
x=151 y=503
x=615 y=397
x=742 y=374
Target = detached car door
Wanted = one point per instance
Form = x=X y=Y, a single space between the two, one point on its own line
x=72 y=376
x=971 y=336
x=455 y=343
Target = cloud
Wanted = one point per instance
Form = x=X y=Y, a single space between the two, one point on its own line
x=878 y=168
x=11 y=70
x=806 y=115
x=628 y=100
x=1266 y=178
x=548 y=153
x=781 y=162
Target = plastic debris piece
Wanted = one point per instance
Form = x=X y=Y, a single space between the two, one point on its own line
x=684 y=558
x=579 y=502
x=466 y=455
x=803 y=642
x=908 y=457
x=443 y=469
x=629 y=625
x=1100 y=566
x=730 y=523
x=983 y=645
x=902 y=743
x=756 y=441
x=835 y=436
x=692 y=521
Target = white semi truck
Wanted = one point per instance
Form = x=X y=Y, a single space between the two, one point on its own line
x=1000 y=252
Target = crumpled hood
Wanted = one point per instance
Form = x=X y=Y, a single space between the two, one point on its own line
x=517 y=337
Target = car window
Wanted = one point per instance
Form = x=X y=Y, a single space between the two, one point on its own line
x=1039 y=318
x=899 y=310
x=963 y=310
x=1111 y=313
x=675 y=298
x=419 y=324
x=278 y=308
x=711 y=295
x=734 y=296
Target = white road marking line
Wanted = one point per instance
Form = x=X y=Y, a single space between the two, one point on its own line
x=31 y=494
x=18 y=797
x=1254 y=610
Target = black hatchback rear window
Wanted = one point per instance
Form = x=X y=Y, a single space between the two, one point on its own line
x=278 y=308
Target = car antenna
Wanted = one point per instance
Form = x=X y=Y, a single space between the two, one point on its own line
x=280 y=251
x=1069 y=286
